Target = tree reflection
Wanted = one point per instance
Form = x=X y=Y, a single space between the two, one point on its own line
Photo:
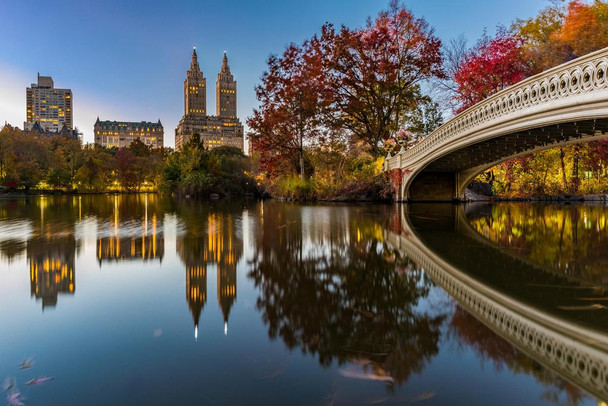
x=570 y=240
x=332 y=287
x=11 y=249
x=489 y=346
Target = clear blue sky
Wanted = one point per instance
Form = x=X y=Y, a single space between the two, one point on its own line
x=126 y=60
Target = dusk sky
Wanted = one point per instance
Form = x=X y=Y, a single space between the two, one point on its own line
x=127 y=60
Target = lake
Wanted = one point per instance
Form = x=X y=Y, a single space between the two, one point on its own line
x=144 y=300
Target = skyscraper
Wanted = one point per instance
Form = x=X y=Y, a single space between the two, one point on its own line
x=49 y=107
x=225 y=92
x=195 y=90
x=223 y=129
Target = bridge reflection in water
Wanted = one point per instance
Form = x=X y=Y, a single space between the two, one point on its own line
x=564 y=331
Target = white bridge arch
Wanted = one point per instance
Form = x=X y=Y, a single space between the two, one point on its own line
x=564 y=105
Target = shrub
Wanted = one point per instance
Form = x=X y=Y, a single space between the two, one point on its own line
x=294 y=188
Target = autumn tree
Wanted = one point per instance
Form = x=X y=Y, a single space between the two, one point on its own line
x=585 y=28
x=7 y=156
x=95 y=172
x=372 y=74
x=539 y=37
x=424 y=118
x=126 y=169
x=494 y=64
x=597 y=157
x=288 y=120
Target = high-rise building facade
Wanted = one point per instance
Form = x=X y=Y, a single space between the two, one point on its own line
x=121 y=134
x=49 y=107
x=223 y=129
x=225 y=92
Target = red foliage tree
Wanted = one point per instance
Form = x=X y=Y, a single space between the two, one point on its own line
x=494 y=64
x=289 y=117
x=372 y=74
x=597 y=156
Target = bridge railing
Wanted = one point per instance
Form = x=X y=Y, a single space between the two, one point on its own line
x=583 y=75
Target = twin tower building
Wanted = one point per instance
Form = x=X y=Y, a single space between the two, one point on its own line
x=221 y=129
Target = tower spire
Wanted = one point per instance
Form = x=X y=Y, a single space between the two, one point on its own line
x=225 y=91
x=194 y=64
x=225 y=67
x=195 y=101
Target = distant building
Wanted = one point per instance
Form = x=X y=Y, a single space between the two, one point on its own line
x=121 y=134
x=49 y=107
x=64 y=132
x=223 y=129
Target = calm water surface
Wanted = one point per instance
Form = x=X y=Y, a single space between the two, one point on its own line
x=139 y=300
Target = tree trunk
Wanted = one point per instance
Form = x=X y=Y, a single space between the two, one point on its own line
x=575 y=179
x=301 y=165
x=301 y=135
x=561 y=159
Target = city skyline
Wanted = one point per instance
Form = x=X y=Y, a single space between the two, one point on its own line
x=220 y=129
x=151 y=42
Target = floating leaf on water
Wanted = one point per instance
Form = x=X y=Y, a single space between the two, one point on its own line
x=424 y=396
x=595 y=306
x=26 y=364
x=379 y=401
x=9 y=383
x=38 y=381
x=354 y=374
x=14 y=399
x=280 y=370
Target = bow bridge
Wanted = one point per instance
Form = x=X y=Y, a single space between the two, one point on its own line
x=564 y=105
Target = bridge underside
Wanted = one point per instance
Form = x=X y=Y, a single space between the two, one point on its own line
x=446 y=178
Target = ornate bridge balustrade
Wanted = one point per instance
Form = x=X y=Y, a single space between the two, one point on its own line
x=564 y=105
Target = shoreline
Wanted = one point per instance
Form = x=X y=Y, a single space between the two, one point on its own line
x=63 y=193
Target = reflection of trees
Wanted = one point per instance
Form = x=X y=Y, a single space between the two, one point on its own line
x=331 y=287
x=10 y=249
x=212 y=235
x=489 y=346
x=568 y=239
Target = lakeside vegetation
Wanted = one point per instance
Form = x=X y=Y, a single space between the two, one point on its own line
x=328 y=105
x=30 y=162
x=348 y=96
x=333 y=106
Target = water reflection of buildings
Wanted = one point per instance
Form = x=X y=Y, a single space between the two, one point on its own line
x=51 y=267
x=216 y=244
x=130 y=248
x=131 y=238
x=128 y=227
